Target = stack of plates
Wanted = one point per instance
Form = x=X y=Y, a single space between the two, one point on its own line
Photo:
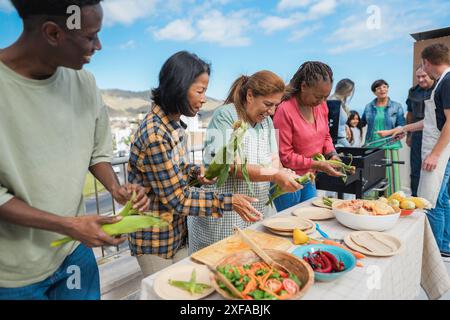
x=284 y=226
x=373 y=243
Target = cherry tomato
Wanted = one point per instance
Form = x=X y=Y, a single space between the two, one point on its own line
x=290 y=286
x=274 y=285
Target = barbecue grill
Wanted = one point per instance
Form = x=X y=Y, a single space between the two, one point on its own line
x=370 y=173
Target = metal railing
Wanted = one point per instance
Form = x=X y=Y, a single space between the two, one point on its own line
x=108 y=252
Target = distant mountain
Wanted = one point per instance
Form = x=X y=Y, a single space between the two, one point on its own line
x=123 y=103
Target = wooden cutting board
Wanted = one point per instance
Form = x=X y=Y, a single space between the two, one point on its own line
x=215 y=252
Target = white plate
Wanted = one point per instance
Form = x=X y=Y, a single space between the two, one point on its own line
x=314 y=213
x=183 y=273
x=287 y=223
x=290 y=233
x=392 y=241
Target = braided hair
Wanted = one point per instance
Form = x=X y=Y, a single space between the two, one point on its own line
x=309 y=73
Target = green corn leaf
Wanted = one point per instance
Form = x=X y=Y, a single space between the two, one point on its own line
x=126 y=211
x=225 y=156
x=223 y=175
x=247 y=177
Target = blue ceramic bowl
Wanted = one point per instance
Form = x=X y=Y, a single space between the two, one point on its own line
x=342 y=255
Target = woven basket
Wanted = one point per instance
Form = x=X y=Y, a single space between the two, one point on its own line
x=295 y=265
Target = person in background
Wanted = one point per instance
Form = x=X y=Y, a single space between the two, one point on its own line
x=416 y=112
x=159 y=162
x=302 y=123
x=384 y=114
x=343 y=93
x=435 y=174
x=354 y=130
x=54 y=129
x=252 y=99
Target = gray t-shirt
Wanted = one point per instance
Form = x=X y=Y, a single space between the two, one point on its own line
x=51 y=132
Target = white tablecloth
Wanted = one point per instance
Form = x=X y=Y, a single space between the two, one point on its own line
x=397 y=277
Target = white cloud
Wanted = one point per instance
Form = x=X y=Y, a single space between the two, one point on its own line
x=322 y=8
x=127 y=11
x=178 y=30
x=5 y=5
x=353 y=34
x=225 y=30
x=128 y=45
x=292 y=4
x=313 y=11
x=273 y=23
x=215 y=27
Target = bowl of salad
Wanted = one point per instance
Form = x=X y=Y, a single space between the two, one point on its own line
x=256 y=280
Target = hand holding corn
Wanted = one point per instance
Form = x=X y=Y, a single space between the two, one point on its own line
x=203 y=180
x=285 y=179
x=95 y=231
x=333 y=167
x=123 y=193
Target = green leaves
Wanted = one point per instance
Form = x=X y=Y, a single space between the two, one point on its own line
x=191 y=286
x=231 y=153
x=341 y=166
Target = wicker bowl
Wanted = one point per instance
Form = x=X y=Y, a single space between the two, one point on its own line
x=295 y=265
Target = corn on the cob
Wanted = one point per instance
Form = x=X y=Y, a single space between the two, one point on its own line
x=131 y=222
x=277 y=191
x=128 y=224
x=342 y=167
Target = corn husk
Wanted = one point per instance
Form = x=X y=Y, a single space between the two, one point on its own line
x=132 y=221
x=231 y=153
x=342 y=167
x=276 y=190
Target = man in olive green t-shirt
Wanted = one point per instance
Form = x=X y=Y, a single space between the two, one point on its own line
x=53 y=130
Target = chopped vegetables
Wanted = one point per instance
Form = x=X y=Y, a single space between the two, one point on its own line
x=232 y=152
x=327 y=201
x=277 y=191
x=259 y=281
x=191 y=286
x=341 y=166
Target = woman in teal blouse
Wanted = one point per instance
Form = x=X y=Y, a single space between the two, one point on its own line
x=384 y=114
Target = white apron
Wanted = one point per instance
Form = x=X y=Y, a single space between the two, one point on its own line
x=430 y=182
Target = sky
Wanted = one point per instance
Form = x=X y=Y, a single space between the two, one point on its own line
x=361 y=40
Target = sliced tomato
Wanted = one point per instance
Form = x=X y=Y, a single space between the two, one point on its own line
x=274 y=285
x=290 y=286
x=283 y=274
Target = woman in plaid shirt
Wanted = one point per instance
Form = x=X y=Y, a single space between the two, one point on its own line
x=159 y=162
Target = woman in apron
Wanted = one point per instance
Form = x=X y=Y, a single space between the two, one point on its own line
x=252 y=99
x=435 y=144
